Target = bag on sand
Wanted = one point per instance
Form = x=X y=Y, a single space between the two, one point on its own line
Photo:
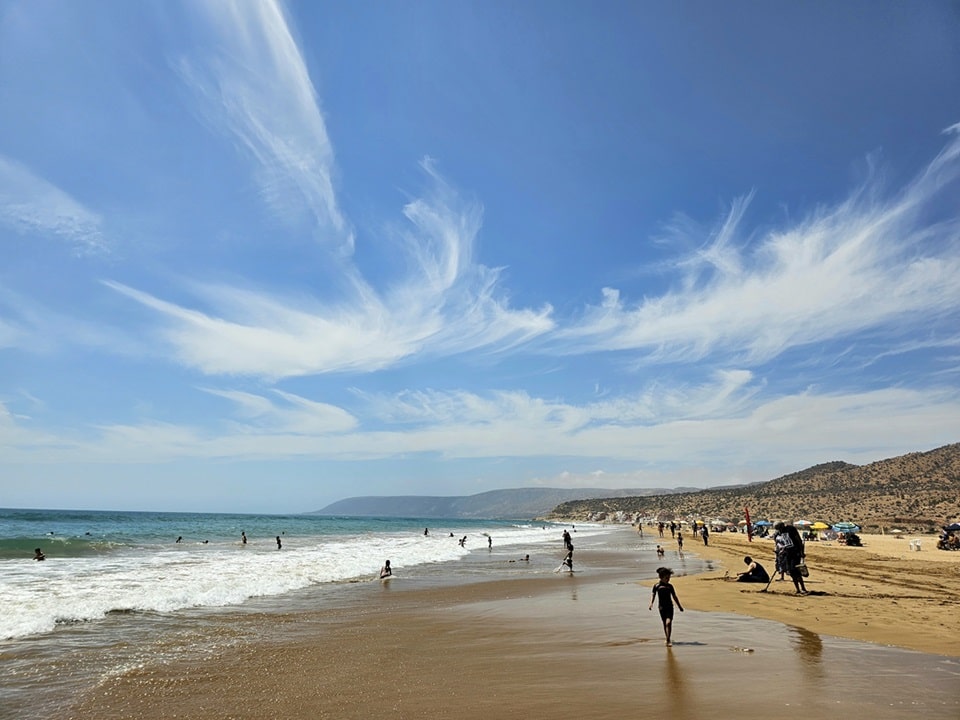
x=802 y=567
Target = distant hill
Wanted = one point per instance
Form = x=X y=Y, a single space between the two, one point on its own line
x=915 y=491
x=510 y=504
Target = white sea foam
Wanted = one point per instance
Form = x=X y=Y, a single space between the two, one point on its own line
x=36 y=596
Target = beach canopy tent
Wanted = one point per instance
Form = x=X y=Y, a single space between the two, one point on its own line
x=818 y=525
x=846 y=527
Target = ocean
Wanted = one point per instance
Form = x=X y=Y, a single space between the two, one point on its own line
x=118 y=589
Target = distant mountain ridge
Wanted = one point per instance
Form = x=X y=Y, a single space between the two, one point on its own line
x=914 y=491
x=513 y=504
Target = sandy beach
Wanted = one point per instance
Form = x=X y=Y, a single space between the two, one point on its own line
x=585 y=646
x=883 y=592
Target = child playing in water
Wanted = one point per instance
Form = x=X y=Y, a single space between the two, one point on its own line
x=664 y=592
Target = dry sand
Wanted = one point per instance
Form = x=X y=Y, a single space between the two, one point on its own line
x=882 y=592
x=585 y=646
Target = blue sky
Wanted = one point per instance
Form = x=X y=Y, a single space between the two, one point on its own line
x=260 y=257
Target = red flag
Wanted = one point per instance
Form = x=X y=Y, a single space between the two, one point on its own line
x=746 y=511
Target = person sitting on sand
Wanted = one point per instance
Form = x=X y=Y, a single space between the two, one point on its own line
x=386 y=571
x=664 y=593
x=38 y=555
x=755 y=572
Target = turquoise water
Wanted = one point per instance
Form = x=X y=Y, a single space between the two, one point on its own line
x=102 y=562
x=79 y=533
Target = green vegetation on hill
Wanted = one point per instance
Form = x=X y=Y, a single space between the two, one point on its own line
x=915 y=491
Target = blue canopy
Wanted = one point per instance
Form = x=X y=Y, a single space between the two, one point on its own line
x=846 y=527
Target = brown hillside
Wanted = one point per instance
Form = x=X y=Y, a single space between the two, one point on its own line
x=918 y=491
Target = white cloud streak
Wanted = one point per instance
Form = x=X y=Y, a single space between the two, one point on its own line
x=444 y=305
x=34 y=207
x=866 y=264
x=255 y=88
x=297 y=416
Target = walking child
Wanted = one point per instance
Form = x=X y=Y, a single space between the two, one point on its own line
x=664 y=593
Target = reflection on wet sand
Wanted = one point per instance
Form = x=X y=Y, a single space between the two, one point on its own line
x=809 y=649
x=674 y=686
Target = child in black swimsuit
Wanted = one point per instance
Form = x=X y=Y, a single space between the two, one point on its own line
x=663 y=592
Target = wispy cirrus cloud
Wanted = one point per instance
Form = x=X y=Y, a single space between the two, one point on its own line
x=255 y=88
x=443 y=304
x=296 y=414
x=872 y=263
x=33 y=206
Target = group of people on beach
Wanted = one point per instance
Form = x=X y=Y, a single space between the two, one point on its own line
x=789 y=557
x=948 y=540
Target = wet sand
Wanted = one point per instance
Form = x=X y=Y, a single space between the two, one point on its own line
x=581 y=646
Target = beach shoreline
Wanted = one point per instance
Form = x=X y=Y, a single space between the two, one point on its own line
x=552 y=644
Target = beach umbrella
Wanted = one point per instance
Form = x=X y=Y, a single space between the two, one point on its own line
x=953 y=527
x=846 y=527
x=802 y=523
x=763 y=523
x=819 y=525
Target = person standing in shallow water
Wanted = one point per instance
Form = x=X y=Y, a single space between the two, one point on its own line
x=665 y=596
